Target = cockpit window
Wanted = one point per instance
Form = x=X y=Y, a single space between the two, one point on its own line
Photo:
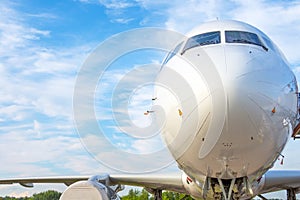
x=270 y=44
x=173 y=53
x=203 y=39
x=242 y=37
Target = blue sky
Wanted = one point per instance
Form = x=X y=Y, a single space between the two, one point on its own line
x=43 y=44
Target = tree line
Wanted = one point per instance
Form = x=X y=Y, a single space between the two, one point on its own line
x=48 y=195
x=133 y=194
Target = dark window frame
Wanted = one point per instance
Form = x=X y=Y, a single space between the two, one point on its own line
x=172 y=53
x=243 y=37
x=213 y=37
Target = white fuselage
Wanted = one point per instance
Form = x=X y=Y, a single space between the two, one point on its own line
x=228 y=108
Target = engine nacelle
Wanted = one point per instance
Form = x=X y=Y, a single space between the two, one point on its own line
x=191 y=186
x=87 y=190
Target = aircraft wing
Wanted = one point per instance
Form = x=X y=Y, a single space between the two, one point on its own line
x=163 y=182
x=281 y=180
x=28 y=182
x=274 y=180
x=151 y=181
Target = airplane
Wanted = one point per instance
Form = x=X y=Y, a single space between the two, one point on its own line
x=232 y=109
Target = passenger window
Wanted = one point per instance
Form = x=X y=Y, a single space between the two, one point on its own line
x=203 y=39
x=242 y=37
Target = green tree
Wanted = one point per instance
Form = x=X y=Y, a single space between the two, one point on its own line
x=144 y=195
x=48 y=195
x=168 y=195
x=133 y=194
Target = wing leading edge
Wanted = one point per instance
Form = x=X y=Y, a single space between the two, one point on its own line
x=275 y=180
x=152 y=181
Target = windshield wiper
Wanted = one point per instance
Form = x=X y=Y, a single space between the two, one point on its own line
x=249 y=42
x=199 y=44
x=207 y=42
x=243 y=41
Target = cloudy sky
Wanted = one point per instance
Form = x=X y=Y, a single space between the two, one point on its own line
x=43 y=45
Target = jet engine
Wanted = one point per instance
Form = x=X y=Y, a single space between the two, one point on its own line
x=89 y=190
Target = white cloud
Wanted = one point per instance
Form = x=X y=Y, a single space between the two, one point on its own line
x=44 y=156
x=122 y=20
x=117 y=4
x=34 y=78
x=19 y=191
x=37 y=127
x=183 y=18
x=146 y=146
x=42 y=15
x=116 y=9
x=14 y=34
x=37 y=136
x=20 y=194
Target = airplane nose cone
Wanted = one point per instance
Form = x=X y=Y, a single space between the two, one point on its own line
x=193 y=98
x=217 y=112
x=218 y=115
x=218 y=98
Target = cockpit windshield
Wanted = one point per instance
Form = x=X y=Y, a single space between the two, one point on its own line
x=173 y=53
x=242 y=37
x=203 y=39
